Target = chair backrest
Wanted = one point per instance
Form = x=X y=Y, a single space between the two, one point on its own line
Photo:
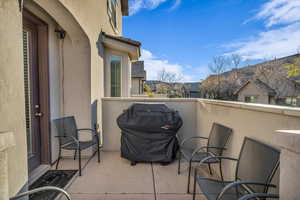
x=218 y=137
x=257 y=162
x=66 y=127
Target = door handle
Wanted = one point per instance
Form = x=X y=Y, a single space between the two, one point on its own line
x=38 y=114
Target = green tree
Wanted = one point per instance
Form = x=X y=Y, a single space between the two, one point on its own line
x=148 y=91
x=294 y=71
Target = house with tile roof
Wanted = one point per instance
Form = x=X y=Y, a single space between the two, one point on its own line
x=138 y=78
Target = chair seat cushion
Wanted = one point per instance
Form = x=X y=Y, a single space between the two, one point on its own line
x=187 y=153
x=82 y=144
x=211 y=188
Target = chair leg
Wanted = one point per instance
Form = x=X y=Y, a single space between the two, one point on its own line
x=79 y=161
x=75 y=153
x=209 y=167
x=179 y=160
x=189 y=177
x=98 y=154
x=58 y=159
x=221 y=172
x=194 y=187
x=98 y=149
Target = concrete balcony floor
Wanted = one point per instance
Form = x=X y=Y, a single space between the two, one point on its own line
x=115 y=179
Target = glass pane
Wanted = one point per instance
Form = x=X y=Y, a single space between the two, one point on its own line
x=288 y=101
x=251 y=99
x=115 y=77
x=294 y=102
x=27 y=89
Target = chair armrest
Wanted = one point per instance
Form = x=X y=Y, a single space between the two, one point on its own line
x=197 y=150
x=86 y=129
x=213 y=157
x=92 y=131
x=42 y=189
x=237 y=183
x=259 y=195
x=217 y=157
x=192 y=138
x=72 y=137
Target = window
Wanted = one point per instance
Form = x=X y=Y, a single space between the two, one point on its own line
x=291 y=101
x=251 y=99
x=112 y=12
x=115 y=67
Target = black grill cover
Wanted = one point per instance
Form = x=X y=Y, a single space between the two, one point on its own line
x=149 y=133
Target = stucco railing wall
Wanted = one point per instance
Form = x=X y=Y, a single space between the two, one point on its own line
x=113 y=107
x=257 y=121
x=252 y=120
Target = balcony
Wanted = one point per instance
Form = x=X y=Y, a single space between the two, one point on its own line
x=115 y=178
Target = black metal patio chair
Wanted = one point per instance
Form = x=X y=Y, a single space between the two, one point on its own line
x=216 y=142
x=68 y=135
x=256 y=166
x=24 y=195
x=255 y=196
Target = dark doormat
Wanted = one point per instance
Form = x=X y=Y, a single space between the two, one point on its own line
x=58 y=178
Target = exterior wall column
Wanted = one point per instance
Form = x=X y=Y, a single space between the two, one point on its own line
x=6 y=141
x=289 y=142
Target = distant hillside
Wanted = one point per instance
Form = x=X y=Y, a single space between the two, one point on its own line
x=272 y=73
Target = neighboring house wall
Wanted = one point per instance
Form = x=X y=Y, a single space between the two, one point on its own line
x=288 y=101
x=195 y=95
x=251 y=90
x=137 y=86
x=273 y=73
x=138 y=77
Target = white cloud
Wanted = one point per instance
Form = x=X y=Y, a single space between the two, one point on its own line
x=175 y=5
x=280 y=12
x=153 y=65
x=276 y=41
x=136 y=5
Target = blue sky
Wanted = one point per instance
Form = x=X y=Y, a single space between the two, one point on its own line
x=182 y=36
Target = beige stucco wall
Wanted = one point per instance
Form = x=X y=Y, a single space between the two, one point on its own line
x=82 y=74
x=289 y=143
x=86 y=20
x=125 y=72
x=80 y=82
x=70 y=82
x=136 y=86
x=252 y=120
x=113 y=107
x=252 y=90
x=93 y=18
x=12 y=100
x=96 y=18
